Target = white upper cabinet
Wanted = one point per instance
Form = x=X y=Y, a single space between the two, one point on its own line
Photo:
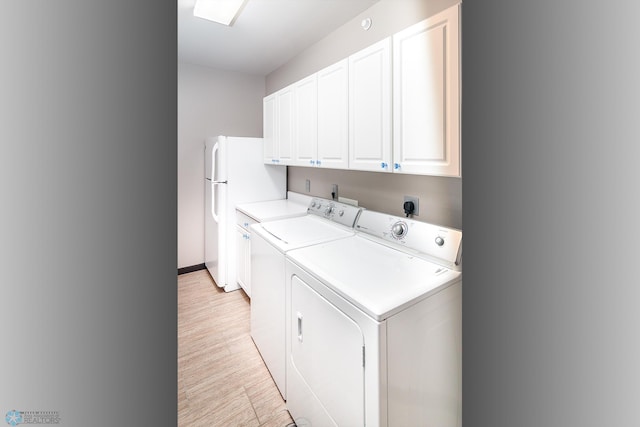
x=285 y=122
x=306 y=122
x=392 y=107
x=370 y=108
x=278 y=110
x=321 y=118
x=426 y=97
x=269 y=122
x=333 y=113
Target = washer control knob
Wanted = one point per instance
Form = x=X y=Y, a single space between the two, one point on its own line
x=313 y=204
x=399 y=230
x=319 y=206
x=328 y=210
x=341 y=213
x=439 y=241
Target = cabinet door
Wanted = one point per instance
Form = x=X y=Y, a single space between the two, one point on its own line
x=333 y=113
x=243 y=255
x=306 y=121
x=269 y=123
x=370 y=108
x=426 y=97
x=284 y=118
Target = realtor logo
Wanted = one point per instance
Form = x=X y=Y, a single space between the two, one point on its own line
x=13 y=418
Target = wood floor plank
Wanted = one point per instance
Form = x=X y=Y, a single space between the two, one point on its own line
x=222 y=380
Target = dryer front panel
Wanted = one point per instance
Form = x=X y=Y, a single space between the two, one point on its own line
x=327 y=356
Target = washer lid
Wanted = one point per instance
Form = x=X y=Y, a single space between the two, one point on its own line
x=273 y=209
x=291 y=233
x=379 y=280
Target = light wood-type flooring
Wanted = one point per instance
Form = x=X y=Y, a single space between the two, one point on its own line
x=222 y=380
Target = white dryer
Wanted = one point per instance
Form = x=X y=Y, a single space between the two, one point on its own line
x=374 y=327
x=325 y=221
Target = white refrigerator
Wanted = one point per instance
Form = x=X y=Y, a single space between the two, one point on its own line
x=234 y=173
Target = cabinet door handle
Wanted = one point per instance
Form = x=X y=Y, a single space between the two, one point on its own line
x=396 y=166
x=299 y=326
x=383 y=165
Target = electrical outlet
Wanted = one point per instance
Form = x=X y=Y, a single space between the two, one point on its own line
x=416 y=204
x=307 y=186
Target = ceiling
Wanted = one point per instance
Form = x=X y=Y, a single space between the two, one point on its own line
x=266 y=34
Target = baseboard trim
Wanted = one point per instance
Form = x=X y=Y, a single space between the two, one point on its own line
x=191 y=269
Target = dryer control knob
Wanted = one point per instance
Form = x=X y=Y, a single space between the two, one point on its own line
x=313 y=204
x=439 y=241
x=328 y=210
x=399 y=230
x=341 y=213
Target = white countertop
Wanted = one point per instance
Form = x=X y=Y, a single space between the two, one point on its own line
x=294 y=205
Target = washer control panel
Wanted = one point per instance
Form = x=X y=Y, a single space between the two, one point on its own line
x=421 y=238
x=334 y=211
x=399 y=230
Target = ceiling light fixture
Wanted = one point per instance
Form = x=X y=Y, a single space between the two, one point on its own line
x=221 y=11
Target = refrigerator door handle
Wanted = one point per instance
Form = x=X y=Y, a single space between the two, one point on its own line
x=213 y=203
x=214 y=153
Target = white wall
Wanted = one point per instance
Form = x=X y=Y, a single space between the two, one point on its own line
x=210 y=102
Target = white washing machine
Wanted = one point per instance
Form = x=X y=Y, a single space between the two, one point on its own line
x=375 y=327
x=248 y=214
x=294 y=205
x=325 y=221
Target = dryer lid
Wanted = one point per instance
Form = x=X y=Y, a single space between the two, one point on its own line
x=378 y=279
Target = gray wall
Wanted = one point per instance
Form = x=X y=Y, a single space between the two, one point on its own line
x=440 y=198
x=210 y=102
